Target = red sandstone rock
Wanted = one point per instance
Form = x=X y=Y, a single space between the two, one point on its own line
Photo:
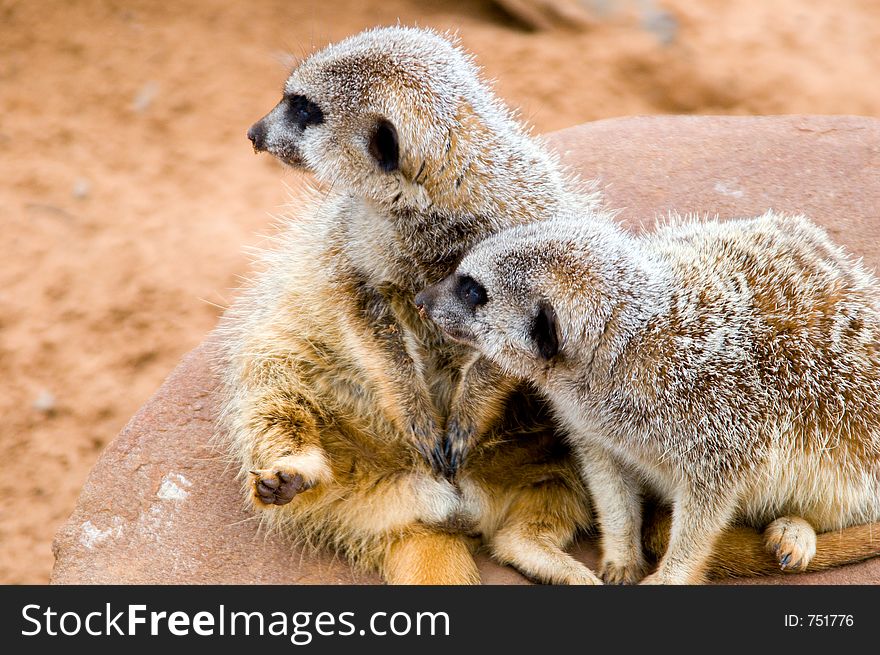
x=162 y=506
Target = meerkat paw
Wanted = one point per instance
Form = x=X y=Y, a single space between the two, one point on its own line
x=617 y=573
x=792 y=541
x=277 y=487
x=654 y=579
x=430 y=445
x=669 y=577
x=456 y=444
x=280 y=483
x=583 y=576
x=661 y=577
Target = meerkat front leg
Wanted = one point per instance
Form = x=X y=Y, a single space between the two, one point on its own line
x=698 y=518
x=617 y=500
x=477 y=405
x=385 y=350
x=277 y=433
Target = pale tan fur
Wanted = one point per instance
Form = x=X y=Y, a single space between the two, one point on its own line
x=733 y=368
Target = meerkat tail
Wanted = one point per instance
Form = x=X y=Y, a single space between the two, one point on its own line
x=847 y=546
x=431 y=558
x=741 y=552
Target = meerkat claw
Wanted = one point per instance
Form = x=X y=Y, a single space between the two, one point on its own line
x=456 y=457
x=455 y=447
x=453 y=456
x=792 y=542
x=621 y=574
x=433 y=456
x=430 y=448
x=441 y=460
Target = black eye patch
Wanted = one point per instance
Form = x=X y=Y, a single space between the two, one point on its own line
x=384 y=146
x=303 y=112
x=471 y=292
x=545 y=332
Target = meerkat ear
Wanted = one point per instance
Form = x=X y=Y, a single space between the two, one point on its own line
x=384 y=146
x=545 y=331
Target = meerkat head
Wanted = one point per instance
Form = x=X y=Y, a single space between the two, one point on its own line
x=375 y=113
x=535 y=298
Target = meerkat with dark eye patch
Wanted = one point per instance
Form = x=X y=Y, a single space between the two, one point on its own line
x=732 y=367
x=357 y=424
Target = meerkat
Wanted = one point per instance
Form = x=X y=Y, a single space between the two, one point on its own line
x=357 y=424
x=731 y=367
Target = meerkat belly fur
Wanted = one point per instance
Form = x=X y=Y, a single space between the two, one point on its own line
x=732 y=367
x=356 y=422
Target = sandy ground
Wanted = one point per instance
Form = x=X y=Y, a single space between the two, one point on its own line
x=127 y=188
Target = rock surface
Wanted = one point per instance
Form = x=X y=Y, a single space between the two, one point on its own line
x=162 y=506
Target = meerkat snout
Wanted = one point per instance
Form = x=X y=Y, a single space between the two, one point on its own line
x=451 y=304
x=459 y=305
x=426 y=299
x=282 y=131
x=257 y=136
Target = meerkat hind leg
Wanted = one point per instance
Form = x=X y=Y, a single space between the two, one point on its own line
x=540 y=557
x=430 y=558
x=533 y=539
x=739 y=551
x=697 y=523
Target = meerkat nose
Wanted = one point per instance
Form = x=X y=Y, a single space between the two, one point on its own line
x=257 y=135
x=423 y=300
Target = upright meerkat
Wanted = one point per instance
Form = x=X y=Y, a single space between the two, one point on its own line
x=349 y=413
x=733 y=367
